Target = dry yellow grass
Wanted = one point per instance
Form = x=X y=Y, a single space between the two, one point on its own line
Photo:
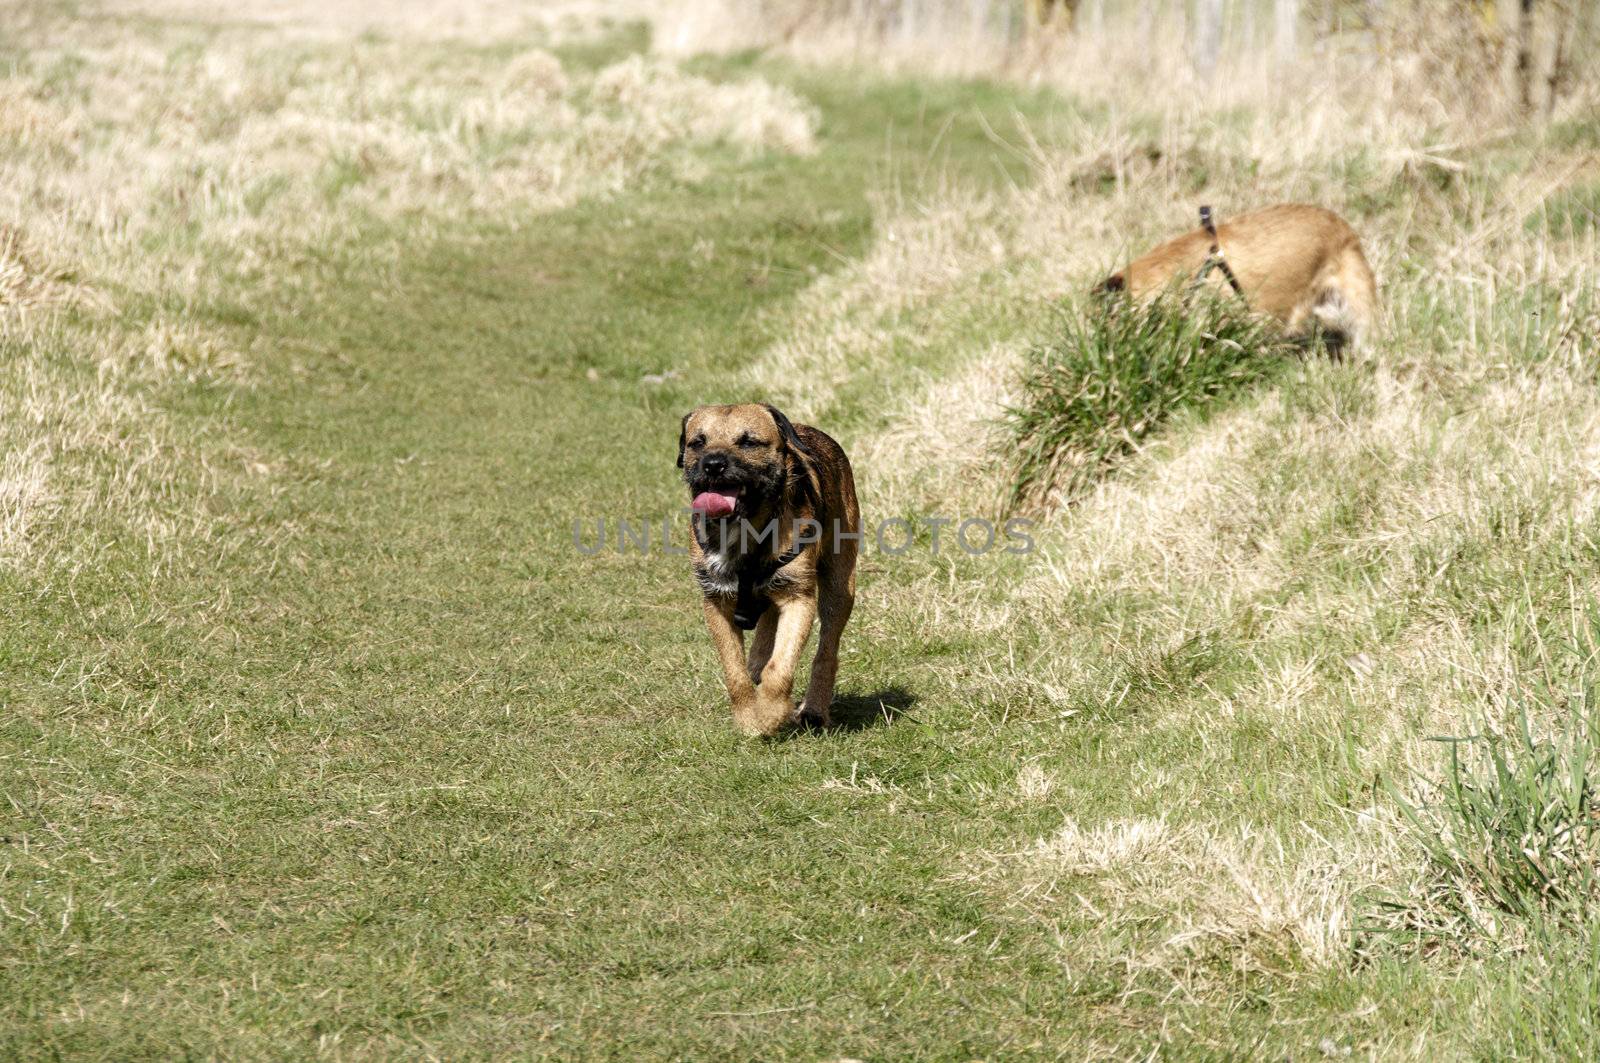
x=244 y=139
x=166 y=157
x=477 y=22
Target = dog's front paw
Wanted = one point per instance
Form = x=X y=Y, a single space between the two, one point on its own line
x=746 y=714
x=764 y=715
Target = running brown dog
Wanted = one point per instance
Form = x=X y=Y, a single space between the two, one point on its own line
x=776 y=532
x=1299 y=263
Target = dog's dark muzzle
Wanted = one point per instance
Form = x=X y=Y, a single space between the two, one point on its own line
x=716 y=472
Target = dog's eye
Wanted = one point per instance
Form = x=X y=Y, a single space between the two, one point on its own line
x=697 y=442
x=748 y=443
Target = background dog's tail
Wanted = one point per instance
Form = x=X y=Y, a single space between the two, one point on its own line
x=1347 y=308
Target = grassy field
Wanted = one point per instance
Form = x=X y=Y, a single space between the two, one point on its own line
x=321 y=738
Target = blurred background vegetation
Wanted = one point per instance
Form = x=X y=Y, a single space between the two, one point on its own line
x=1522 y=53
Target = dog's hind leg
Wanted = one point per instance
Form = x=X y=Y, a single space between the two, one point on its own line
x=1347 y=306
x=834 y=606
x=825 y=666
x=761 y=643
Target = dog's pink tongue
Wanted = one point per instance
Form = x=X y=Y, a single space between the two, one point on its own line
x=713 y=504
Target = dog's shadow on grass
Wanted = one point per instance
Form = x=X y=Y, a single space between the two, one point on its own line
x=881 y=708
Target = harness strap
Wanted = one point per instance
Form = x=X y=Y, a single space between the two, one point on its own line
x=1216 y=259
x=752 y=604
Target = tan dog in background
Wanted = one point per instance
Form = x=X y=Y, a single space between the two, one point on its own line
x=776 y=532
x=1301 y=264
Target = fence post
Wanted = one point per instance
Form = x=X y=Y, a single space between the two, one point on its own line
x=1207 y=34
x=1525 y=53
x=1286 y=25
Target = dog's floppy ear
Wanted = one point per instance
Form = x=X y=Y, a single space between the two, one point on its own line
x=683 y=437
x=786 y=432
x=802 y=468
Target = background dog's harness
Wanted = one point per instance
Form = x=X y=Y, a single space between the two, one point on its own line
x=1216 y=260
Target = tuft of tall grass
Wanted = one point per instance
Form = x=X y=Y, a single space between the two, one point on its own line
x=1515 y=828
x=1117 y=373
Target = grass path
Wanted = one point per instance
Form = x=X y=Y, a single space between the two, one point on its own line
x=391 y=766
x=383 y=766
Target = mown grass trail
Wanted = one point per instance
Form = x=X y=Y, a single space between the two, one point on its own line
x=393 y=768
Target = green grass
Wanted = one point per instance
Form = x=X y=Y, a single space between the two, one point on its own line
x=1511 y=831
x=390 y=767
x=1116 y=374
x=377 y=764
x=1570 y=213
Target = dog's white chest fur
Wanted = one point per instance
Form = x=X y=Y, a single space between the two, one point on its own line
x=718 y=571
